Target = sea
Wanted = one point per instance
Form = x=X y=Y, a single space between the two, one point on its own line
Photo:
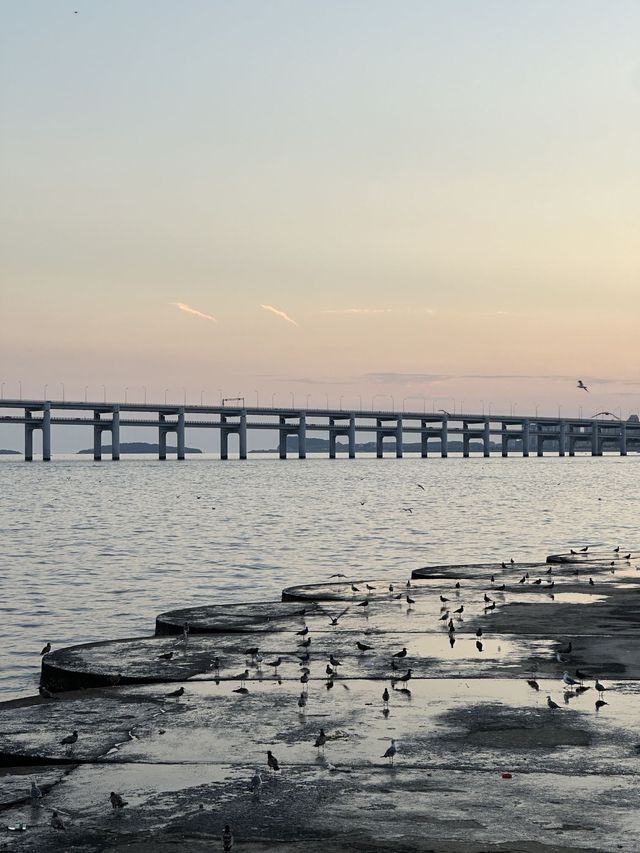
x=91 y=551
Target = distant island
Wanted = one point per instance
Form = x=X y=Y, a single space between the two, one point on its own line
x=321 y=445
x=5 y=452
x=137 y=447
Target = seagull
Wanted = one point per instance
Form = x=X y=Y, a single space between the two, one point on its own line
x=460 y=609
x=177 y=693
x=443 y=599
x=36 y=793
x=302 y=702
x=354 y=588
x=391 y=751
x=256 y=783
x=56 y=821
x=444 y=616
x=552 y=705
x=45 y=650
x=569 y=680
x=330 y=671
x=241 y=678
x=617 y=550
x=363 y=647
x=582 y=386
x=369 y=587
x=243 y=690
x=334 y=619
x=410 y=600
x=404 y=678
x=304 y=632
x=391 y=587
x=479 y=632
x=334 y=662
x=400 y=654
x=337 y=575
x=304 y=679
x=600 y=687
x=275 y=663
x=69 y=740
x=523 y=579
x=364 y=603
x=166 y=656
x=479 y=645
x=320 y=740
x=585 y=549
x=272 y=761
x=591 y=583
x=567 y=649
x=487 y=599
x=533 y=683
x=600 y=703
x=306 y=643
x=252 y=651
x=581 y=676
x=116 y=801
x=420 y=486
x=385 y=697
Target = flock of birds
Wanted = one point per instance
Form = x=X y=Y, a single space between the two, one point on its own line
x=450 y=614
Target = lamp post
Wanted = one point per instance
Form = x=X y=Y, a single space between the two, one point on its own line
x=104 y=393
x=220 y=395
x=62 y=386
x=308 y=398
x=166 y=391
x=293 y=400
x=202 y=398
x=360 y=398
x=184 y=396
x=326 y=396
x=126 y=392
x=145 y=394
x=44 y=396
x=341 y=399
x=1 y=390
x=257 y=399
x=86 y=391
x=273 y=400
x=20 y=386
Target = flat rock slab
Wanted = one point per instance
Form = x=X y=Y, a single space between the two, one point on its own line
x=575 y=773
x=31 y=731
x=598 y=556
x=233 y=618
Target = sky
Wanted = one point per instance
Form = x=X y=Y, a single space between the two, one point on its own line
x=428 y=202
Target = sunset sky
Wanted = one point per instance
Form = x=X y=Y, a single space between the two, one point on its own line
x=425 y=200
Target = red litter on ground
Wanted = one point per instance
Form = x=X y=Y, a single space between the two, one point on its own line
x=507 y=776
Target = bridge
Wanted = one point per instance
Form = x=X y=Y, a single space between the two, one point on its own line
x=521 y=434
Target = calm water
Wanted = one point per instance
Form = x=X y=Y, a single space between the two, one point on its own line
x=95 y=550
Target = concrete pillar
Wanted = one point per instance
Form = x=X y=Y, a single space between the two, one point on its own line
x=572 y=442
x=162 y=442
x=97 y=439
x=28 y=438
x=465 y=440
x=302 y=437
x=424 y=440
x=505 y=441
x=486 y=439
x=562 y=436
x=115 y=433
x=540 y=442
x=526 y=431
x=243 y=434
x=623 y=439
x=352 y=437
x=399 y=438
x=46 y=433
x=444 y=438
x=180 y=432
x=332 y=439
x=379 y=439
x=282 y=443
x=224 y=443
x=596 y=449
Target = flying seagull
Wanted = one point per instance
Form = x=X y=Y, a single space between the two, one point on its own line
x=582 y=386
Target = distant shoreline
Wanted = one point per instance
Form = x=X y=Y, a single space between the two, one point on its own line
x=138 y=447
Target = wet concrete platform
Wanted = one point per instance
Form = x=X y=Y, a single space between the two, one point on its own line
x=483 y=763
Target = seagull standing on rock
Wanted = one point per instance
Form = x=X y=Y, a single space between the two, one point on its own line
x=56 y=821
x=45 y=650
x=117 y=803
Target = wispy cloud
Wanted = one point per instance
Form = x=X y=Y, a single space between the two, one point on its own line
x=377 y=311
x=194 y=311
x=279 y=313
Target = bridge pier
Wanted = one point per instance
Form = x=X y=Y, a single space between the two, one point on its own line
x=540 y=442
x=486 y=439
x=97 y=439
x=180 y=431
x=562 y=437
x=28 y=437
x=399 y=439
x=302 y=437
x=352 y=437
x=242 y=435
x=526 y=431
x=379 y=439
x=162 y=436
x=623 y=439
x=282 y=443
x=444 y=438
x=596 y=448
x=115 y=433
x=505 y=441
x=466 y=440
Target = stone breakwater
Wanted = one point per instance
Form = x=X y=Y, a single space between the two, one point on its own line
x=179 y=724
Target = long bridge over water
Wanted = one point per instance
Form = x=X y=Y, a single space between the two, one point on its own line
x=521 y=434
